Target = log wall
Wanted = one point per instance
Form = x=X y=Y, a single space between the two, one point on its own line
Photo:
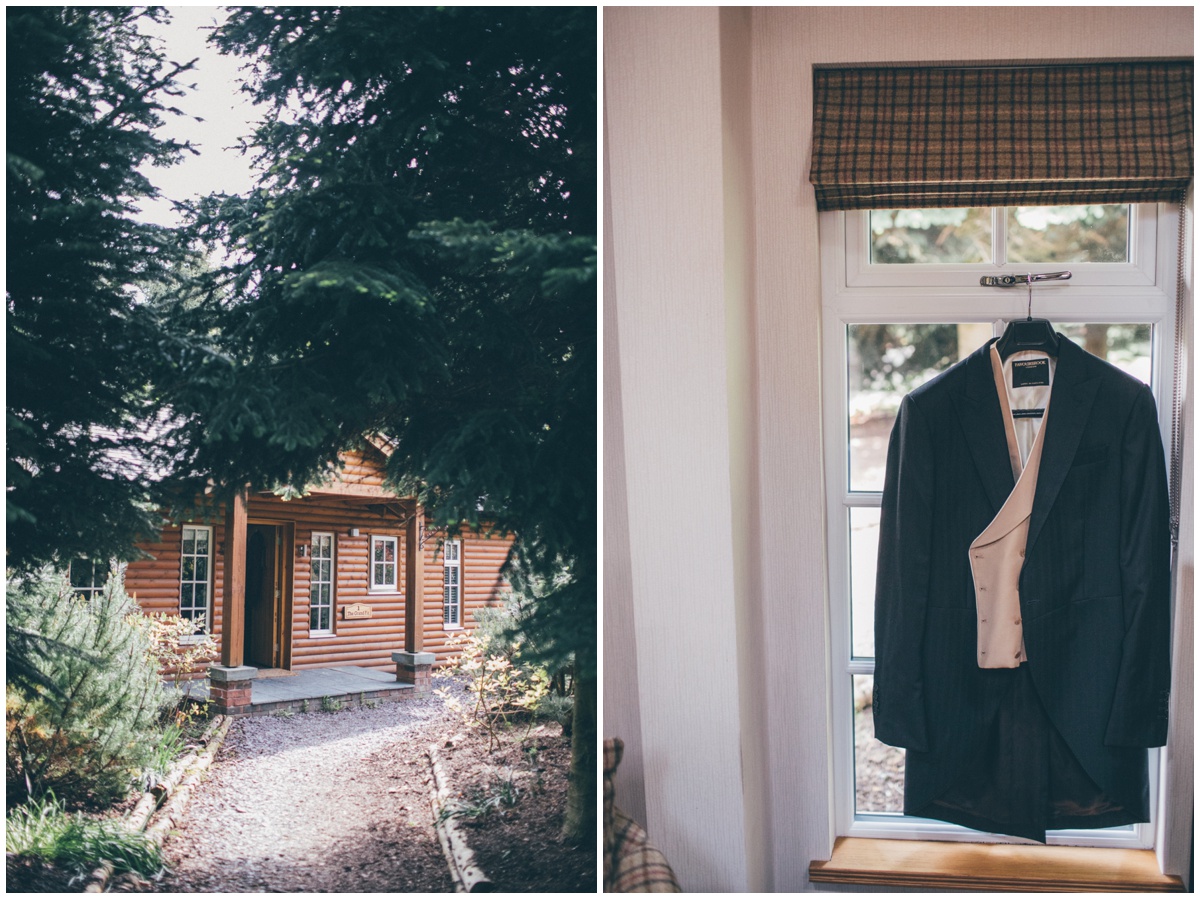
x=367 y=642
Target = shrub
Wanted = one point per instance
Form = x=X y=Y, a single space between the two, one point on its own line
x=88 y=743
x=43 y=829
x=505 y=684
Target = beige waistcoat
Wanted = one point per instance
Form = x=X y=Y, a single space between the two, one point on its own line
x=999 y=552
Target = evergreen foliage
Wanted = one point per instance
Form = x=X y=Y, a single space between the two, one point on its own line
x=419 y=261
x=86 y=91
x=88 y=743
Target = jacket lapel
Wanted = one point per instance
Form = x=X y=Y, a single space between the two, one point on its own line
x=1071 y=400
x=982 y=422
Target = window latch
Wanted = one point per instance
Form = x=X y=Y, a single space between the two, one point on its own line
x=1014 y=280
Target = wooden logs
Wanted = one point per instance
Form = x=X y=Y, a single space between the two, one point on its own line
x=463 y=868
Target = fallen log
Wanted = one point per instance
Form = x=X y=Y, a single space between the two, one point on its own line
x=465 y=871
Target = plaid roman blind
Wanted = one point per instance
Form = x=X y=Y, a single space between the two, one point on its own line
x=1005 y=136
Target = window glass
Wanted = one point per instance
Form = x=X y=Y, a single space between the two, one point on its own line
x=88 y=577
x=1068 y=233
x=1127 y=346
x=878 y=768
x=885 y=363
x=320 y=590
x=194 y=571
x=383 y=563
x=922 y=236
x=451 y=584
x=864 y=550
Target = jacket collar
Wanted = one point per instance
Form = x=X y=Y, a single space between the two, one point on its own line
x=980 y=415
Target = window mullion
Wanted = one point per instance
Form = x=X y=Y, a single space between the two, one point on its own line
x=1000 y=235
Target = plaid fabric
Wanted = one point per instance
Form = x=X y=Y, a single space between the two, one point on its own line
x=631 y=864
x=1031 y=135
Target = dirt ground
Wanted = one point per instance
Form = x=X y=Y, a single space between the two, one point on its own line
x=518 y=846
x=340 y=802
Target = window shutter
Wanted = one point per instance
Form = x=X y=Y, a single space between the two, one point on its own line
x=896 y=137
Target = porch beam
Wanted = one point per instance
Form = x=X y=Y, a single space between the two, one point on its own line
x=414 y=582
x=233 y=628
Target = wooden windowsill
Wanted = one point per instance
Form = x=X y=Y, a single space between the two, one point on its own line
x=990 y=867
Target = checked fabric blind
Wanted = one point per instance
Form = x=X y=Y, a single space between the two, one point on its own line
x=1005 y=136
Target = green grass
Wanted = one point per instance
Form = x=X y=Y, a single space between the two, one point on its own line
x=482 y=801
x=171 y=744
x=43 y=829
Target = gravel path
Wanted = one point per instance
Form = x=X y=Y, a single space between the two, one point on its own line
x=317 y=802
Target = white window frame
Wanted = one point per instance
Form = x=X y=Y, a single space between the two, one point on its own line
x=854 y=291
x=314 y=557
x=391 y=586
x=452 y=592
x=207 y=581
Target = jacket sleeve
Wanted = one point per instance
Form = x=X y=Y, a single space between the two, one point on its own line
x=902 y=582
x=1139 y=712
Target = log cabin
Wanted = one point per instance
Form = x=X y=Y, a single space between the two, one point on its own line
x=348 y=575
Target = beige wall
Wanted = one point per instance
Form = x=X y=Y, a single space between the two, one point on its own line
x=713 y=463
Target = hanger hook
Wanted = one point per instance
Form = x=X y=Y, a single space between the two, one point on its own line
x=1029 y=304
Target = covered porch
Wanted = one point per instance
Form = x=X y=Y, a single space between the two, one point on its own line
x=242 y=684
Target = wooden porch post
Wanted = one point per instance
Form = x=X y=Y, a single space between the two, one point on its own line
x=233 y=636
x=414 y=582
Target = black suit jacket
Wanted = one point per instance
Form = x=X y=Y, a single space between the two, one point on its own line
x=1094 y=588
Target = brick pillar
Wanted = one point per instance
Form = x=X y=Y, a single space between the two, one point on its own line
x=229 y=688
x=415 y=668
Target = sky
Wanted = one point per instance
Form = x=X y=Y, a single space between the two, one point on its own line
x=228 y=116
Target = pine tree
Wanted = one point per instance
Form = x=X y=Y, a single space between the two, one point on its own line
x=86 y=91
x=87 y=741
x=418 y=260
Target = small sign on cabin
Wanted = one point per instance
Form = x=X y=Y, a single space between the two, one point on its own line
x=356 y=611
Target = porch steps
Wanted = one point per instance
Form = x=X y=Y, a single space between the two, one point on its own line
x=348 y=685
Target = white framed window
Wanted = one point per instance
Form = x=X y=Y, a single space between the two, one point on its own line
x=195 y=576
x=452 y=584
x=383 y=563
x=88 y=577
x=902 y=302
x=320 y=584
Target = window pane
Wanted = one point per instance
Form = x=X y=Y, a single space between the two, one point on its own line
x=1127 y=346
x=189 y=541
x=189 y=569
x=379 y=578
x=389 y=551
x=1068 y=233
x=878 y=768
x=202 y=569
x=378 y=550
x=314 y=618
x=921 y=236
x=864 y=549
x=81 y=573
x=885 y=363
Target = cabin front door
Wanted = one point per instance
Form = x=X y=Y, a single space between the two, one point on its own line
x=266 y=583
